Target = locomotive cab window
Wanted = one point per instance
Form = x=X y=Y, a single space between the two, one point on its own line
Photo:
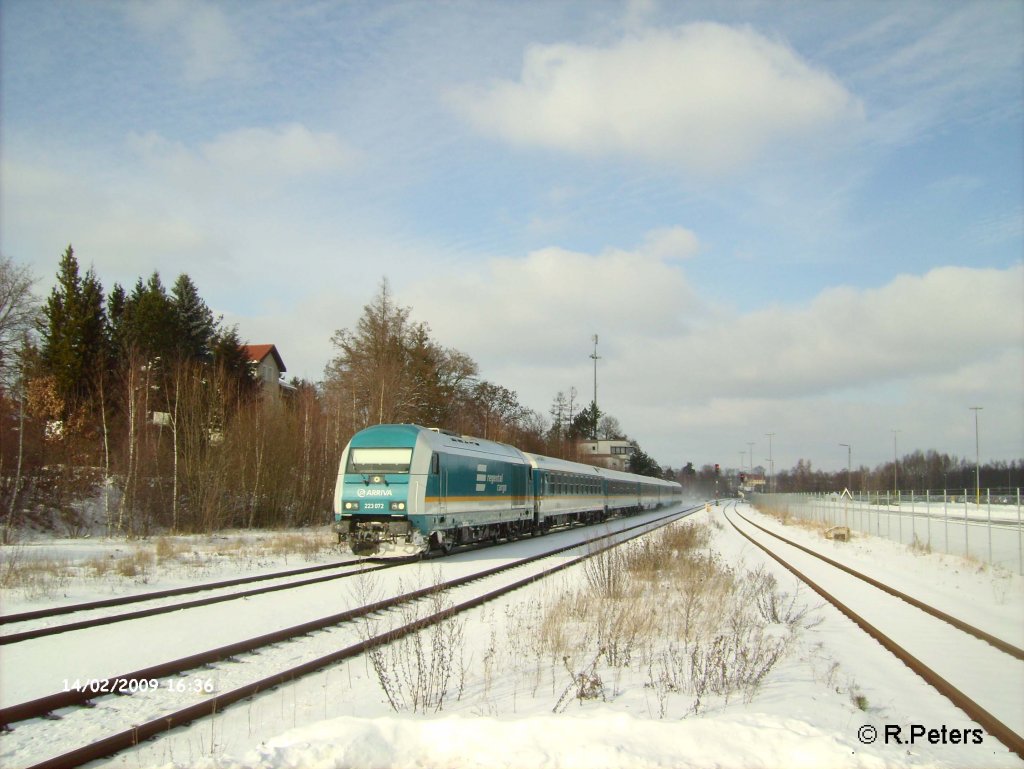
x=368 y=461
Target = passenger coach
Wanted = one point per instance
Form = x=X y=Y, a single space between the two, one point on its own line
x=405 y=489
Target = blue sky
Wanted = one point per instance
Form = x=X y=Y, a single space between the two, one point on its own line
x=797 y=218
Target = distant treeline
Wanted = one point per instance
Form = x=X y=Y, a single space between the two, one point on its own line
x=917 y=471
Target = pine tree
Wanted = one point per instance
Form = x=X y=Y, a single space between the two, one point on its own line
x=584 y=425
x=150 y=323
x=193 y=319
x=117 y=303
x=232 y=361
x=642 y=463
x=74 y=333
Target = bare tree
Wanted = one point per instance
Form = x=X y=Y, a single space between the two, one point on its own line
x=19 y=311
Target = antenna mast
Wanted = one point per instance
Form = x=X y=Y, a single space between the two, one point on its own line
x=596 y=358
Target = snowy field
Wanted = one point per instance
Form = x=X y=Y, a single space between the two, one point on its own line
x=514 y=697
x=989 y=532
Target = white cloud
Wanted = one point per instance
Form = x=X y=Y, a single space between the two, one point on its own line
x=196 y=33
x=249 y=154
x=222 y=211
x=542 y=309
x=671 y=243
x=678 y=372
x=852 y=364
x=61 y=205
x=706 y=96
x=913 y=327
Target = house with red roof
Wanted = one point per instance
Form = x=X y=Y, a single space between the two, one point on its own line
x=267 y=365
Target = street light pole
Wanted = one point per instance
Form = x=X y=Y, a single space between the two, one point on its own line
x=771 y=463
x=977 y=456
x=895 y=464
x=849 y=476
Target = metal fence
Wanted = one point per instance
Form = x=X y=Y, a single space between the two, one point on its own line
x=985 y=526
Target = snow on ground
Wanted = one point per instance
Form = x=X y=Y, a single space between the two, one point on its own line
x=810 y=710
x=990 y=532
x=39 y=572
x=989 y=598
x=597 y=739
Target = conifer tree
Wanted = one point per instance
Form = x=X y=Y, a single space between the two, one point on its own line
x=231 y=359
x=117 y=303
x=150 y=322
x=74 y=333
x=194 y=321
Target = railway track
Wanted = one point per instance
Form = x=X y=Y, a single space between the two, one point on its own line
x=57 y=611
x=150 y=707
x=354 y=568
x=980 y=674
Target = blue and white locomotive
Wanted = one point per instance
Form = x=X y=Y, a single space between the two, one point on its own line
x=405 y=489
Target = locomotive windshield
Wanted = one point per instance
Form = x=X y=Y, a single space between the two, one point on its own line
x=370 y=461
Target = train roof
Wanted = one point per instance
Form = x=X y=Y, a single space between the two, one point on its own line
x=395 y=435
x=563 y=465
x=392 y=435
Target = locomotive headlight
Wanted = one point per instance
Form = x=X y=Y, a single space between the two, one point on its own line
x=351 y=505
x=398 y=505
x=377 y=479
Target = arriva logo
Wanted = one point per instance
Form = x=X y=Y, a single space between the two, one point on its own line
x=373 y=493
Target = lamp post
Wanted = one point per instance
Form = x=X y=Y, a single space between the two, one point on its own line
x=771 y=463
x=849 y=476
x=895 y=465
x=596 y=358
x=751 y=445
x=977 y=457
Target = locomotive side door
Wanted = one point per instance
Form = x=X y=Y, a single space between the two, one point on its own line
x=438 y=467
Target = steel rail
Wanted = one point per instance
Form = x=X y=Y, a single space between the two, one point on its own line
x=27 y=635
x=56 y=611
x=131 y=737
x=976 y=712
x=47 y=704
x=998 y=643
x=42 y=632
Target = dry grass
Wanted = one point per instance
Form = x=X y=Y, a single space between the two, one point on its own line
x=167 y=548
x=784 y=515
x=145 y=561
x=664 y=612
x=137 y=565
x=917 y=547
x=297 y=544
x=779 y=512
x=421 y=671
x=670 y=608
x=33 y=577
